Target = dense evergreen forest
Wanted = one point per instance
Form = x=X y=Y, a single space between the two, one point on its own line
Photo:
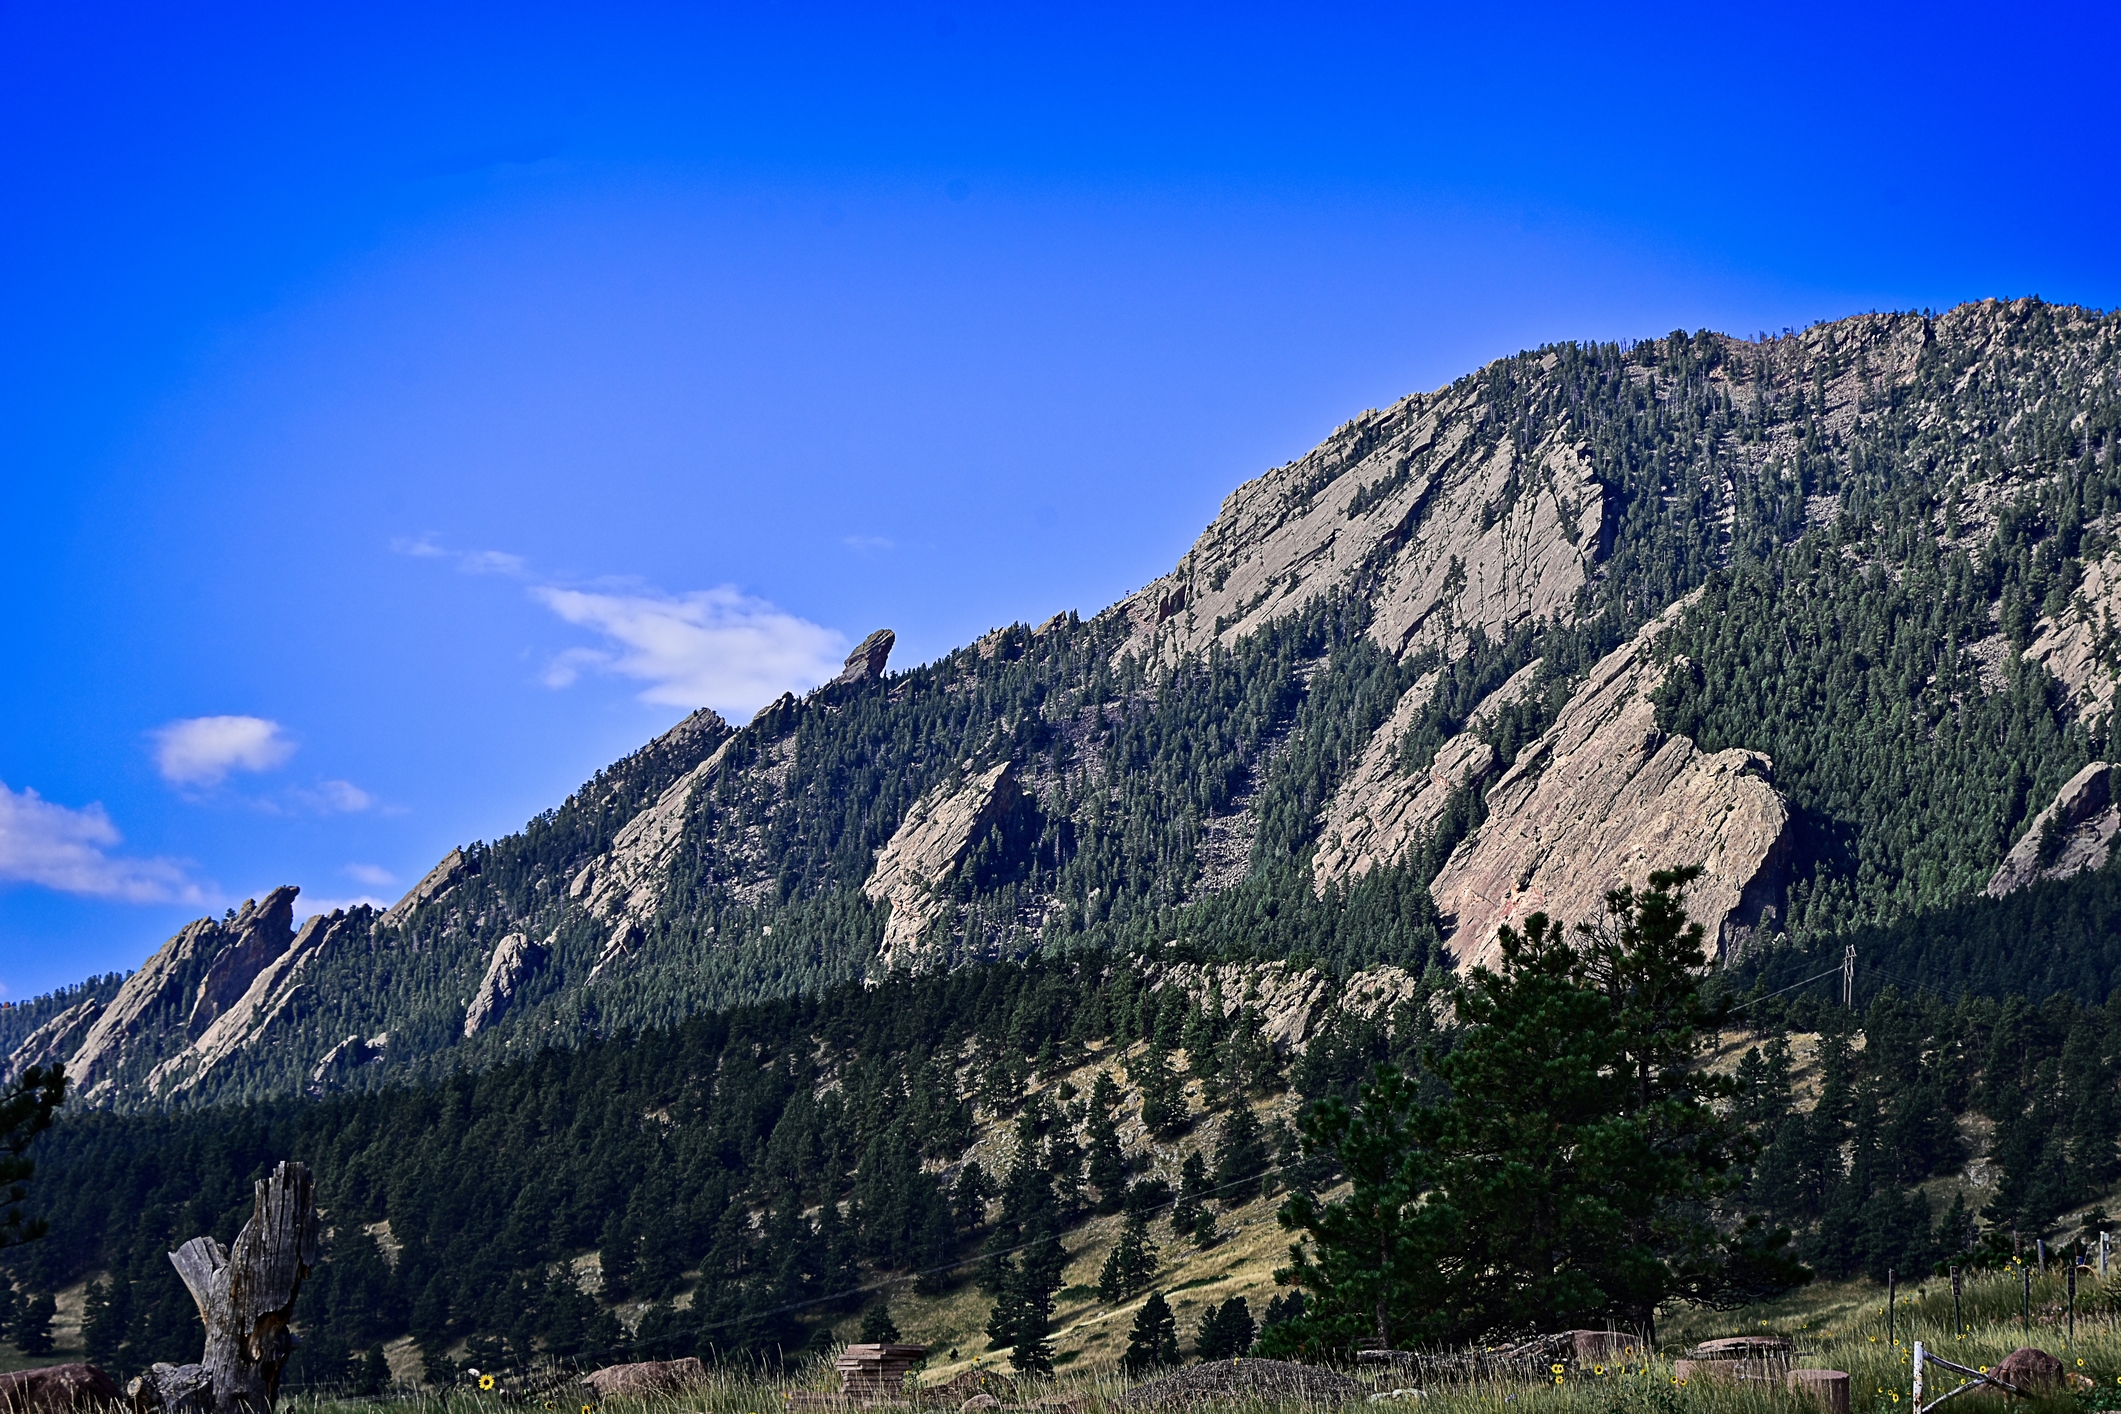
x=778 y=1161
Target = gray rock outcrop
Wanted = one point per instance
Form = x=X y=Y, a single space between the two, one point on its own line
x=1292 y=1002
x=516 y=960
x=625 y=883
x=1380 y=811
x=438 y=881
x=1460 y=530
x=2074 y=833
x=925 y=851
x=867 y=660
x=1602 y=799
x=2078 y=648
x=188 y=977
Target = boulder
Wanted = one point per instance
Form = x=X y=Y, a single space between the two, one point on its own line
x=981 y=1401
x=2030 y=1370
x=53 y=1388
x=1827 y=1388
x=647 y=1377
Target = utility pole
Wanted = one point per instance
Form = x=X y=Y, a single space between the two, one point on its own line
x=1848 y=978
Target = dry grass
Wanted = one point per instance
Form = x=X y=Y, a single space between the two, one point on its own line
x=1839 y=1326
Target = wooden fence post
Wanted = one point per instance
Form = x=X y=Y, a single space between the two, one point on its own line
x=245 y=1297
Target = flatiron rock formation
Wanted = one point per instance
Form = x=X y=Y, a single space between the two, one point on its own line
x=1602 y=799
x=1381 y=810
x=936 y=836
x=1458 y=530
x=2075 y=833
x=516 y=960
x=1292 y=1003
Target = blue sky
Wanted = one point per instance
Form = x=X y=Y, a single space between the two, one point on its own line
x=405 y=412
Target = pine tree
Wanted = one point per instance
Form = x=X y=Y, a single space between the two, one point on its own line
x=1193 y=1188
x=1225 y=1331
x=33 y=1325
x=1108 y=1162
x=877 y=1326
x=1152 y=1343
x=1241 y=1158
x=104 y=1312
x=1163 y=1092
x=1205 y=1233
x=1131 y=1264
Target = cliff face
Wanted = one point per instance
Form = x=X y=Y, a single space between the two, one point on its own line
x=1604 y=798
x=1439 y=641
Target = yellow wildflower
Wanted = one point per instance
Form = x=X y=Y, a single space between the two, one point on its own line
x=486 y=1382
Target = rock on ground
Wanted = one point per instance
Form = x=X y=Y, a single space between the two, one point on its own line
x=647 y=1377
x=53 y=1388
x=1241 y=1379
x=2034 y=1371
x=2085 y=823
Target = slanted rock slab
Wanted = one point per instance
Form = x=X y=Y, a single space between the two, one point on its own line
x=647 y=1377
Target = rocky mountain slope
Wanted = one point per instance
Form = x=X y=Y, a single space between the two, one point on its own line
x=1830 y=614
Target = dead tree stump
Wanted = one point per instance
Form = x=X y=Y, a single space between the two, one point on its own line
x=245 y=1298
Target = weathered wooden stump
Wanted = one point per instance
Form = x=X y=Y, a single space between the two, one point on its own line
x=245 y=1298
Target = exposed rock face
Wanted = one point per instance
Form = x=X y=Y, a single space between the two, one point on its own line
x=516 y=960
x=454 y=866
x=1602 y=799
x=55 y=1040
x=1463 y=530
x=626 y=881
x=2075 y=833
x=265 y=936
x=271 y=996
x=1293 y=1003
x=187 y=976
x=1380 y=811
x=2079 y=649
x=868 y=658
x=346 y=1055
x=925 y=851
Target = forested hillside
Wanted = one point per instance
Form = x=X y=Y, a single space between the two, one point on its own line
x=1865 y=575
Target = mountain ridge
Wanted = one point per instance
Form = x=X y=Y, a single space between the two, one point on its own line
x=1205 y=761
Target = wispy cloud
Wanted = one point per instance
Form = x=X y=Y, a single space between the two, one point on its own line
x=868 y=543
x=716 y=648
x=308 y=908
x=333 y=798
x=67 y=850
x=201 y=751
x=426 y=547
x=373 y=875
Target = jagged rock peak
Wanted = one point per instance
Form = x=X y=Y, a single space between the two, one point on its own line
x=868 y=658
x=2075 y=833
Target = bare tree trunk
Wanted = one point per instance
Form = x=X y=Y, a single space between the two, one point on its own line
x=245 y=1298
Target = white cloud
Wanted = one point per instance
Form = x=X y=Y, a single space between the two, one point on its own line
x=867 y=542
x=468 y=561
x=309 y=907
x=336 y=797
x=47 y=844
x=715 y=648
x=373 y=875
x=200 y=751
